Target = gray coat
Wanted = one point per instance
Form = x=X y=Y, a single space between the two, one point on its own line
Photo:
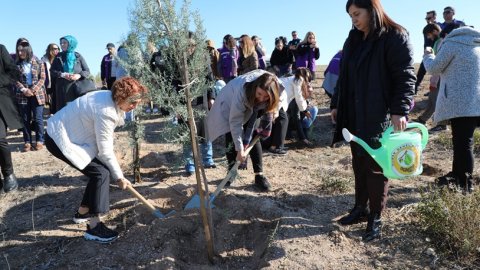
x=230 y=111
x=458 y=64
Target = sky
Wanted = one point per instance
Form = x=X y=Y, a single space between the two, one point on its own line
x=97 y=22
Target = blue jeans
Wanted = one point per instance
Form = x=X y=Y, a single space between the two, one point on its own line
x=207 y=156
x=307 y=122
x=26 y=111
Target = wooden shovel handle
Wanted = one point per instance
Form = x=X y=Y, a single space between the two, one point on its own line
x=234 y=169
x=141 y=198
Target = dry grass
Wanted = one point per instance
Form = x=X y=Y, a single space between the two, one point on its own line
x=453 y=220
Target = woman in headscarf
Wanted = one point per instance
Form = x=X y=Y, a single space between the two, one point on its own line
x=68 y=67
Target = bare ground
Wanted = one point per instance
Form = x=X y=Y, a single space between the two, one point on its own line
x=292 y=227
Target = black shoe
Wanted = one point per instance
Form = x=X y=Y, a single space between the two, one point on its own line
x=262 y=182
x=449 y=178
x=357 y=214
x=10 y=183
x=278 y=151
x=210 y=166
x=100 y=233
x=374 y=227
x=79 y=218
x=438 y=128
x=465 y=183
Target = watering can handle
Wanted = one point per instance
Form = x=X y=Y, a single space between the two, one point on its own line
x=413 y=125
x=424 y=131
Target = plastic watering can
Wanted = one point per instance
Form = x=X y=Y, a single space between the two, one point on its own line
x=400 y=155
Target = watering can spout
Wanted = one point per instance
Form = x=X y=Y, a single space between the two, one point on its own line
x=350 y=137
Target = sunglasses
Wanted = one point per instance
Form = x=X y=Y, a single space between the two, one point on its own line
x=55 y=49
x=428 y=18
x=447 y=12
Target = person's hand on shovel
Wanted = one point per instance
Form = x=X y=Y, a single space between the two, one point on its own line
x=242 y=157
x=123 y=183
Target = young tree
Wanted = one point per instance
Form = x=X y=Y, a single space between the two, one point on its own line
x=175 y=77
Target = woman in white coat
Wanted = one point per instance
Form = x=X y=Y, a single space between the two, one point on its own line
x=296 y=88
x=239 y=104
x=82 y=134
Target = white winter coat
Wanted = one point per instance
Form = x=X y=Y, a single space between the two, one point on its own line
x=293 y=90
x=84 y=129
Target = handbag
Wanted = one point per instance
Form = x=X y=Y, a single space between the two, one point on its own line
x=83 y=86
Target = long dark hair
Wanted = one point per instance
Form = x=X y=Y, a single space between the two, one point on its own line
x=23 y=44
x=380 y=22
x=267 y=82
x=49 y=52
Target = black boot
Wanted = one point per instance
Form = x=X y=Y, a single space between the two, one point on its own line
x=10 y=183
x=465 y=182
x=357 y=214
x=374 y=227
x=262 y=182
x=449 y=178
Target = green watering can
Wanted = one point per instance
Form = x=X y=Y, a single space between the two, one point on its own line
x=400 y=155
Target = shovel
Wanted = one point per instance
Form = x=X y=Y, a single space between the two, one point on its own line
x=232 y=174
x=156 y=212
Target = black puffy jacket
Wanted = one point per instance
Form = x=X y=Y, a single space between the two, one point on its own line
x=384 y=86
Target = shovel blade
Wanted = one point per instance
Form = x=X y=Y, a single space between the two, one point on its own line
x=159 y=214
x=194 y=202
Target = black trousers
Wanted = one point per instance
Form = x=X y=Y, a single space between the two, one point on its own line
x=420 y=74
x=295 y=121
x=255 y=154
x=110 y=82
x=370 y=184
x=462 y=139
x=6 y=164
x=97 y=193
x=279 y=131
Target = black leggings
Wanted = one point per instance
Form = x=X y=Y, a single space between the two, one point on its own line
x=255 y=154
x=97 y=193
x=462 y=139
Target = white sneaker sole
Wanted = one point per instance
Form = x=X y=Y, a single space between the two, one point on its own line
x=80 y=220
x=92 y=237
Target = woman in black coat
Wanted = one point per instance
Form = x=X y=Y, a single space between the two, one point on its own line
x=375 y=89
x=68 y=67
x=9 y=117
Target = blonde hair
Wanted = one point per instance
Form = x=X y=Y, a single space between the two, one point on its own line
x=309 y=33
x=248 y=47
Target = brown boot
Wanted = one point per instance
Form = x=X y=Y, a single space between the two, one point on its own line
x=39 y=146
x=27 y=147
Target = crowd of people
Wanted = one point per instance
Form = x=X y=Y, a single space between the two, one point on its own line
x=371 y=82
